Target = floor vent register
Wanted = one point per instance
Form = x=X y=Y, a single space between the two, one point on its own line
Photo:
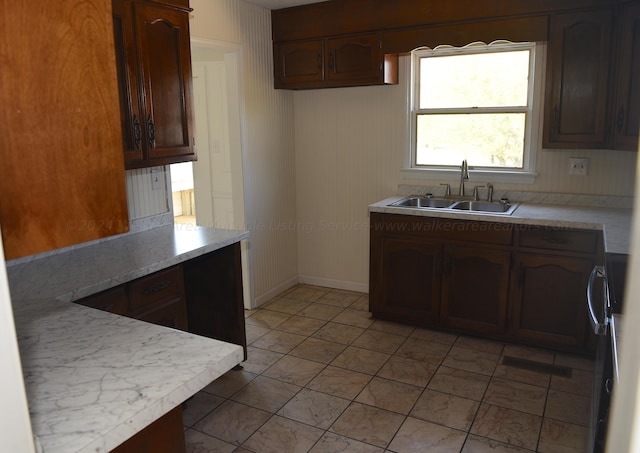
x=537 y=367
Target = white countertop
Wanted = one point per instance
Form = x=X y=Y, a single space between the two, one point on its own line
x=84 y=271
x=614 y=222
x=94 y=379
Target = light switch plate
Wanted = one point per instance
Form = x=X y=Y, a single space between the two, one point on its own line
x=578 y=166
x=156 y=178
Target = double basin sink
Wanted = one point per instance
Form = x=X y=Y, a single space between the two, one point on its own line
x=476 y=207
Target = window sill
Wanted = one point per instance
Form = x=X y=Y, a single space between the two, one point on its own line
x=448 y=174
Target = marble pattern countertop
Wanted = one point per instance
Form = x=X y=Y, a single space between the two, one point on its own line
x=94 y=379
x=615 y=223
x=84 y=271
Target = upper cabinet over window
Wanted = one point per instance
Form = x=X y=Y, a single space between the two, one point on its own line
x=342 y=61
x=154 y=74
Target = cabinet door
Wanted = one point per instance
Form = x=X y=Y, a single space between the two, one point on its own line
x=407 y=284
x=127 y=66
x=299 y=64
x=354 y=58
x=549 y=302
x=475 y=289
x=578 y=80
x=163 y=46
x=627 y=106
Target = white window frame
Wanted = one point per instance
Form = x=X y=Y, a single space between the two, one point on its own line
x=527 y=174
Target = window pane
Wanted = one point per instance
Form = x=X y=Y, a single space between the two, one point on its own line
x=475 y=80
x=485 y=140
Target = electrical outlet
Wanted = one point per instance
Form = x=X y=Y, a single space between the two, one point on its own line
x=578 y=166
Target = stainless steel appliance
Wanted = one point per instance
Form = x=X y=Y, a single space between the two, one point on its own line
x=604 y=298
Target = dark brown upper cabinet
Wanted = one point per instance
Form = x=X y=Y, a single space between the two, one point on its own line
x=154 y=75
x=354 y=60
x=588 y=53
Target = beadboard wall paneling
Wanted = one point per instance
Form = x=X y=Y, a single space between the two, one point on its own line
x=350 y=144
x=142 y=199
x=267 y=135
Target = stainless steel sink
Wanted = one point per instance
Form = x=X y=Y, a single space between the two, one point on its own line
x=485 y=206
x=424 y=202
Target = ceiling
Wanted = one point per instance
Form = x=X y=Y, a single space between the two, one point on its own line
x=277 y=4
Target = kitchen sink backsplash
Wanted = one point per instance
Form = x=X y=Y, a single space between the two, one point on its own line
x=608 y=201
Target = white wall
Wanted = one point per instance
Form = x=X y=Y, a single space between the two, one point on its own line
x=350 y=144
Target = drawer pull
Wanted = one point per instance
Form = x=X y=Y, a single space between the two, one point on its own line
x=107 y=307
x=157 y=287
x=554 y=240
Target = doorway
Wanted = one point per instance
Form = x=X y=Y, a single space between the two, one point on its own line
x=210 y=191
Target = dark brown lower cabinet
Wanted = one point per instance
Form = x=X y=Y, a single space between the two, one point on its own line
x=548 y=299
x=475 y=289
x=165 y=435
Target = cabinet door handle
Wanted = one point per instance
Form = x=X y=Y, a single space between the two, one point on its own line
x=332 y=62
x=157 y=287
x=151 y=130
x=137 y=133
x=319 y=61
x=555 y=240
x=620 y=119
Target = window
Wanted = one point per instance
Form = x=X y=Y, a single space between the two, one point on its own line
x=476 y=103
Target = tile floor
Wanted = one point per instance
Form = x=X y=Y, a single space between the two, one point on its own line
x=323 y=376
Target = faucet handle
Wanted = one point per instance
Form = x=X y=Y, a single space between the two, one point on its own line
x=490 y=192
x=475 y=193
x=447 y=192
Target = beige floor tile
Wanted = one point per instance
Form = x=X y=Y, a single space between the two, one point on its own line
x=278 y=341
x=229 y=383
x=434 y=335
x=445 y=409
x=255 y=332
x=508 y=426
x=334 y=443
x=414 y=372
x=301 y=325
x=390 y=395
x=266 y=394
x=306 y=293
x=361 y=304
x=340 y=298
x=339 y=333
x=198 y=406
x=318 y=350
x=477 y=444
x=294 y=370
x=280 y=435
x=232 y=422
x=480 y=344
x=267 y=318
x=197 y=442
x=417 y=436
x=286 y=305
x=529 y=353
x=561 y=437
x=379 y=341
x=427 y=351
x=568 y=407
x=339 y=382
x=460 y=383
x=470 y=360
x=357 y=318
x=391 y=327
x=512 y=373
x=314 y=408
x=362 y=360
x=516 y=395
x=368 y=424
x=320 y=311
x=580 y=382
x=259 y=360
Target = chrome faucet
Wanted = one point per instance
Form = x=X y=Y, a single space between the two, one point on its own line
x=490 y=192
x=464 y=174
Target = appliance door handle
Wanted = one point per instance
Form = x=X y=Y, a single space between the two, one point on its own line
x=599 y=328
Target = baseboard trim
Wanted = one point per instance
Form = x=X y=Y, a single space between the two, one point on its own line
x=273 y=292
x=336 y=284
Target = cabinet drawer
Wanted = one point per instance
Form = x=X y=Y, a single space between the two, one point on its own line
x=475 y=231
x=112 y=300
x=155 y=288
x=170 y=314
x=565 y=240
